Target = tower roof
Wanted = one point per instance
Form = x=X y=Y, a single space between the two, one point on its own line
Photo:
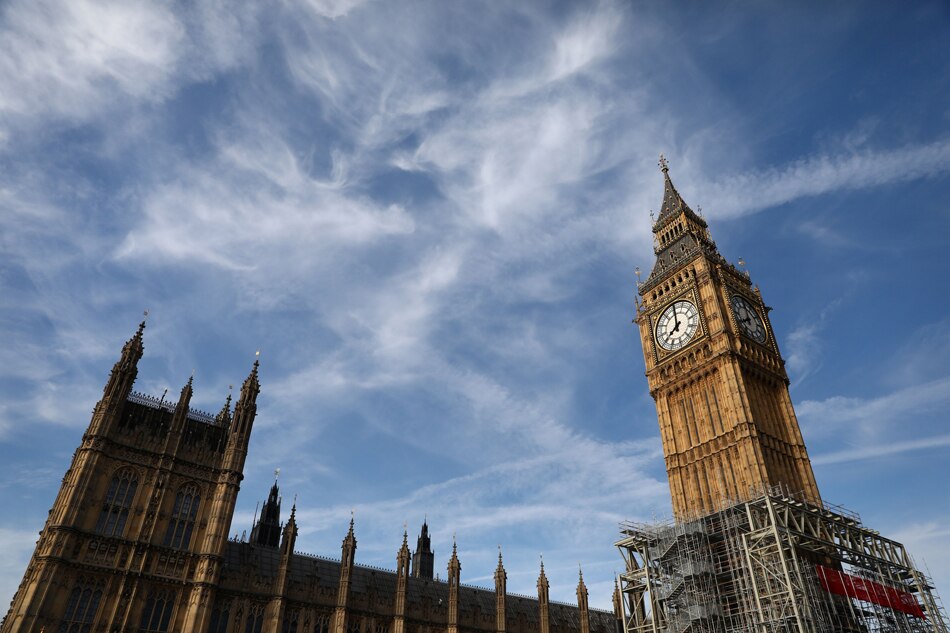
x=675 y=247
x=673 y=203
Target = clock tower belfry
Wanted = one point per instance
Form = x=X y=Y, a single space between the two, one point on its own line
x=715 y=371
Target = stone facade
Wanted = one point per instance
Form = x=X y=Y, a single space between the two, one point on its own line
x=137 y=540
x=715 y=371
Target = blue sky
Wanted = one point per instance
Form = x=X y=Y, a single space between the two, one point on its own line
x=427 y=217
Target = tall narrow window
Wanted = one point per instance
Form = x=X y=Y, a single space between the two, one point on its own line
x=81 y=608
x=158 y=612
x=219 y=618
x=255 y=620
x=115 y=507
x=290 y=621
x=182 y=521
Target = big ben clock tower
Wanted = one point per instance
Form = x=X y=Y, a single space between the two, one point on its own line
x=715 y=371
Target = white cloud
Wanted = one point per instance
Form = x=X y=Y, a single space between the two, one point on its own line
x=17 y=546
x=816 y=175
x=71 y=58
x=880 y=450
x=871 y=419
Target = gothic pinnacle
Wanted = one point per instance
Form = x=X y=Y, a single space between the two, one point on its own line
x=225 y=413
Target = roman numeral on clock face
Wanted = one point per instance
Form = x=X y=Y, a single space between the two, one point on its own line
x=677 y=325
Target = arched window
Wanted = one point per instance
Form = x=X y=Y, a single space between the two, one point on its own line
x=219 y=617
x=182 y=521
x=290 y=621
x=81 y=607
x=157 y=612
x=115 y=507
x=255 y=620
x=322 y=624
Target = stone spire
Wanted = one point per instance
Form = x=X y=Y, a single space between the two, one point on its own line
x=501 y=595
x=455 y=571
x=266 y=530
x=242 y=422
x=184 y=403
x=544 y=624
x=246 y=408
x=673 y=203
x=347 y=556
x=582 y=606
x=289 y=539
x=119 y=385
x=402 y=580
x=618 y=609
x=423 y=560
x=680 y=235
x=224 y=416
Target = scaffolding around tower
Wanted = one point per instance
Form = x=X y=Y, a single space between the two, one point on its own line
x=774 y=563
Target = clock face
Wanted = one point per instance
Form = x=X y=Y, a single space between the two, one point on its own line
x=677 y=325
x=748 y=319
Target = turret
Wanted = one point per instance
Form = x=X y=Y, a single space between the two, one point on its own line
x=582 y=608
x=243 y=421
x=276 y=611
x=402 y=581
x=618 y=607
x=544 y=616
x=423 y=560
x=266 y=529
x=501 y=595
x=223 y=499
x=455 y=571
x=180 y=416
x=289 y=538
x=119 y=385
x=347 y=555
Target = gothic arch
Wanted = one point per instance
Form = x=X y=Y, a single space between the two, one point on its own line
x=184 y=515
x=117 y=502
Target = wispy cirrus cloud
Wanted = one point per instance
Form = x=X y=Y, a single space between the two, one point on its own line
x=880 y=450
x=824 y=173
x=425 y=214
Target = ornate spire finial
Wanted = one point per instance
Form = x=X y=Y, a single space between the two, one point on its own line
x=276 y=474
x=744 y=269
x=664 y=164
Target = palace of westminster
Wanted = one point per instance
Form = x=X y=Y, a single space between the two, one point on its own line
x=137 y=538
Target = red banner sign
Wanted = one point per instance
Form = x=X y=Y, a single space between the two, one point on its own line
x=844 y=584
